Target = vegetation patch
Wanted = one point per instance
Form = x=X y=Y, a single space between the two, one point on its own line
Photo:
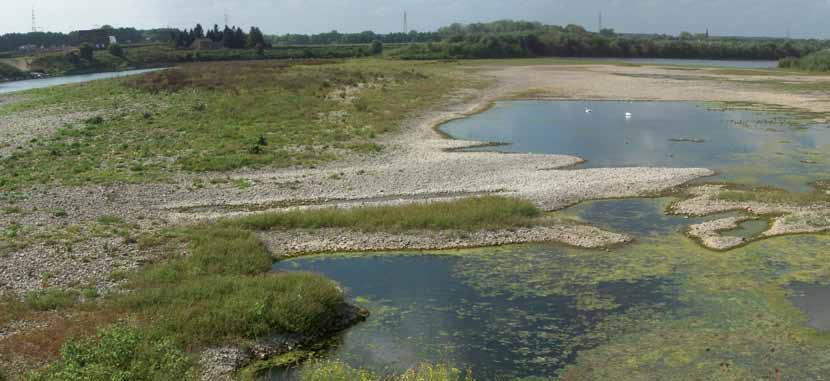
x=469 y=214
x=768 y=195
x=119 y=352
x=340 y=371
x=223 y=116
x=223 y=292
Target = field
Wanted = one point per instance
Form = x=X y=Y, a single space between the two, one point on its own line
x=222 y=116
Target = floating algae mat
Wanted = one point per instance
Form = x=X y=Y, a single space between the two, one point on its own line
x=742 y=146
x=660 y=308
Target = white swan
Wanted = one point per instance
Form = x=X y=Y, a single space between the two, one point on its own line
x=588 y=110
x=628 y=115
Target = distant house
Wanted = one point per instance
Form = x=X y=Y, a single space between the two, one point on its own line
x=204 y=44
x=99 y=38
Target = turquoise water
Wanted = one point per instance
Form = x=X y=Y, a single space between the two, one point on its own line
x=663 y=134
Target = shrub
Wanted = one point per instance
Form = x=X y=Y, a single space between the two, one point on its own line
x=116 y=50
x=50 y=299
x=224 y=291
x=377 y=47
x=118 y=352
x=87 y=51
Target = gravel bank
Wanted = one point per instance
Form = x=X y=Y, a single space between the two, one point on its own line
x=287 y=243
x=708 y=233
x=787 y=219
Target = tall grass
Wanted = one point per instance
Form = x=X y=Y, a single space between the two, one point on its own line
x=223 y=292
x=339 y=371
x=469 y=214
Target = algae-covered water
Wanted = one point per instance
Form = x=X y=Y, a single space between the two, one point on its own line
x=660 y=308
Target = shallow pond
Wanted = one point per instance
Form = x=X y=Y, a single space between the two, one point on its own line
x=10 y=87
x=660 y=308
x=667 y=134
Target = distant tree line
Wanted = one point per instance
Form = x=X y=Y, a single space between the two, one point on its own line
x=504 y=39
x=13 y=41
x=367 y=37
x=229 y=37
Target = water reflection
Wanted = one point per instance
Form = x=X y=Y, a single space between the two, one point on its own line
x=663 y=134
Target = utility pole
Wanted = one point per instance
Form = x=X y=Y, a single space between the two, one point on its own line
x=227 y=19
x=405 y=23
x=599 y=29
x=34 y=20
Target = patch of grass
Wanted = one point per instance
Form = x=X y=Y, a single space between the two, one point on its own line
x=222 y=292
x=110 y=220
x=11 y=309
x=340 y=371
x=250 y=114
x=774 y=196
x=469 y=214
x=50 y=299
x=119 y=352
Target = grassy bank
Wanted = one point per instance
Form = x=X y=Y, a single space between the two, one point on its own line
x=213 y=286
x=478 y=213
x=221 y=293
x=815 y=62
x=223 y=116
x=11 y=73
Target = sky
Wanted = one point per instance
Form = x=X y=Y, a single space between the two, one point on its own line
x=805 y=18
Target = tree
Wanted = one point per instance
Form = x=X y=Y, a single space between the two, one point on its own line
x=255 y=38
x=377 y=47
x=87 y=52
x=198 y=31
x=116 y=50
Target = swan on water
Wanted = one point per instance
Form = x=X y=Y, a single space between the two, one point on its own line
x=628 y=115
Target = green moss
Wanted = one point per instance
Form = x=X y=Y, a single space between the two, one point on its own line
x=340 y=371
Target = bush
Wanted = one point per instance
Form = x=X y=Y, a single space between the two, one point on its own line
x=87 y=51
x=377 y=47
x=116 y=50
x=50 y=299
x=119 y=352
x=224 y=291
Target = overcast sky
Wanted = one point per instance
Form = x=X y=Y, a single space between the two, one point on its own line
x=806 y=18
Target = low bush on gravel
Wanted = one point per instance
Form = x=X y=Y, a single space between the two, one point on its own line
x=339 y=371
x=469 y=214
x=50 y=299
x=223 y=292
x=11 y=309
x=119 y=352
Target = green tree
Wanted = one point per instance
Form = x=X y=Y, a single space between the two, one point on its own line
x=377 y=47
x=87 y=51
x=116 y=50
